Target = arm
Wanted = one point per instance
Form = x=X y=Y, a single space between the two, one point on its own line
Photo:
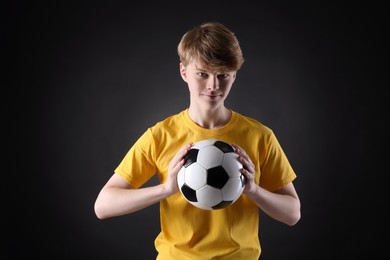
x=283 y=205
x=118 y=197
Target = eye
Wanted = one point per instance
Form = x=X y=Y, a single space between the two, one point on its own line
x=202 y=74
x=223 y=76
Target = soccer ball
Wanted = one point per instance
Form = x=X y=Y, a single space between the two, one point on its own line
x=210 y=178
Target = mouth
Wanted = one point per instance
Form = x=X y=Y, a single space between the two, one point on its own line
x=212 y=96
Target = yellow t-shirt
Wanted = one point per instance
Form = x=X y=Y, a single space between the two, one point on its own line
x=188 y=232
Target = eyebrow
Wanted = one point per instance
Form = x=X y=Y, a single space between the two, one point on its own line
x=199 y=68
x=208 y=71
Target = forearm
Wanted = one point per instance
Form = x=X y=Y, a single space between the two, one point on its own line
x=116 y=201
x=282 y=207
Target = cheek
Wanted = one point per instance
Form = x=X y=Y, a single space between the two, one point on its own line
x=192 y=88
x=226 y=87
x=195 y=85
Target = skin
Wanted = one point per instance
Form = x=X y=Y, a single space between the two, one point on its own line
x=208 y=91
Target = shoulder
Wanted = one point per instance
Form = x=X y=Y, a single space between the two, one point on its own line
x=169 y=121
x=253 y=123
x=167 y=126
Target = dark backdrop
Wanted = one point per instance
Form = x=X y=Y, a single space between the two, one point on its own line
x=85 y=79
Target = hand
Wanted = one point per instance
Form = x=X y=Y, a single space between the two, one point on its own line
x=248 y=169
x=174 y=167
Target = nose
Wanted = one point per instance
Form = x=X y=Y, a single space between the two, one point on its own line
x=213 y=83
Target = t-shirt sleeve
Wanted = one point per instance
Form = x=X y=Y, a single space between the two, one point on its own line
x=138 y=166
x=276 y=170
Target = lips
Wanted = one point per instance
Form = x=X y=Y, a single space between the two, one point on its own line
x=212 y=95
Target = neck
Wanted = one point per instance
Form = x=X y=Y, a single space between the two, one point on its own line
x=210 y=119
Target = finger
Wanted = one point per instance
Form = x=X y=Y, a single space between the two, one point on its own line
x=248 y=175
x=178 y=160
x=239 y=150
x=182 y=152
x=244 y=158
x=248 y=163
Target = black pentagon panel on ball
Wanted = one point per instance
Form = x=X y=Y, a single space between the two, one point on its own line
x=224 y=147
x=222 y=204
x=217 y=177
x=189 y=193
x=190 y=157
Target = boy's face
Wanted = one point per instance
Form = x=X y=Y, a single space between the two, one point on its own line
x=207 y=89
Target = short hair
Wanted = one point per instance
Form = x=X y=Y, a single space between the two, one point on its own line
x=213 y=45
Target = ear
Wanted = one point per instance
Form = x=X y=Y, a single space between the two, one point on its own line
x=183 y=72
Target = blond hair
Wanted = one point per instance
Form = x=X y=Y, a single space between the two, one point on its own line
x=212 y=45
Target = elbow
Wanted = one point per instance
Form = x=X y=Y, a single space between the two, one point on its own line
x=294 y=219
x=295 y=215
x=100 y=212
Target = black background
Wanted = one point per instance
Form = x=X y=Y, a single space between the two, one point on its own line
x=83 y=80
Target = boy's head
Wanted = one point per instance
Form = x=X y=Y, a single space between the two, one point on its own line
x=213 y=46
